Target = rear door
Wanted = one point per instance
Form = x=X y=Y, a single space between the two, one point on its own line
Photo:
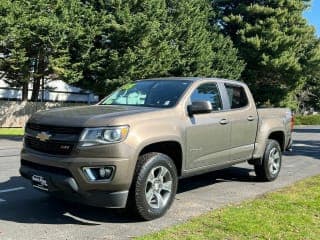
x=244 y=120
x=207 y=135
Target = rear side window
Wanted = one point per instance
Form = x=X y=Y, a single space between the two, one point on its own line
x=208 y=92
x=237 y=96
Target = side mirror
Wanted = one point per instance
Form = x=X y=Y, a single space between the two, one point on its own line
x=199 y=107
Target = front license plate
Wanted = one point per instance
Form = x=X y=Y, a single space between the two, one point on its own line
x=39 y=182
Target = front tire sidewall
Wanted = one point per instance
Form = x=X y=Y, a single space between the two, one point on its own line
x=151 y=161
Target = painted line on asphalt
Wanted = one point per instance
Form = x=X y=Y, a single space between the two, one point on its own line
x=81 y=219
x=12 y=189
x=303 y=145
x=13 y=155
x=8 y=148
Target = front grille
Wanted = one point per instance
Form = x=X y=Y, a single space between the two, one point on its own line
x=45 y=168
x=62 y=140
x=54 y=129
x=51 y=146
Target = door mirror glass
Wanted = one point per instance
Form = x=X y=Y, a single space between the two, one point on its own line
x=199 y=107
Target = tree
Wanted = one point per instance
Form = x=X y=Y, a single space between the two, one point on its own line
x=273 y=38
x=190 y=20
x=203 y=50
x=100 y=45
x=225 y=61
x=41 y=37
x=152 y=38
x=307 y=93
x=134 y=44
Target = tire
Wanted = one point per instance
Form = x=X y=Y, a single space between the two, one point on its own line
x=154 y=186
x=269 y=167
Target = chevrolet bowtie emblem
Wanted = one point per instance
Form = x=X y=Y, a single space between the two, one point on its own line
x=43 y=136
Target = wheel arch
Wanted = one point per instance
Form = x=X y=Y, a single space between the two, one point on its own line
x=278 y=136
x=171 y=148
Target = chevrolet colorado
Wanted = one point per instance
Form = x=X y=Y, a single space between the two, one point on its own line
x=130 y=149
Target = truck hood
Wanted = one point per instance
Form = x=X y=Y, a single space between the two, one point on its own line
x=87 y=116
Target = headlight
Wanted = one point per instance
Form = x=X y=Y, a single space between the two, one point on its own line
x=104 y=135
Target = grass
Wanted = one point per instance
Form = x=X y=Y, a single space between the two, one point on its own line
x=291 y=213
x=307 y=120
x=11 y=131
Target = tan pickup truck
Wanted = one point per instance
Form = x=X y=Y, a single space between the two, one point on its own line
x=130 y=149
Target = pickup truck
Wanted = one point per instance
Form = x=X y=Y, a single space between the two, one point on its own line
x=129 y=150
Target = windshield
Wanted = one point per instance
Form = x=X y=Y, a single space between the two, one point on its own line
x=148 y=93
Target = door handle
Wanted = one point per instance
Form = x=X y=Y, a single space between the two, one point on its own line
x=251 y=118
x=223 y=121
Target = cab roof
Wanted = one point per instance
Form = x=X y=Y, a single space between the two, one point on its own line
x=193 y=79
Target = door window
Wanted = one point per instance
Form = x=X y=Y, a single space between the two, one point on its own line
x=208 y=92
x=237 y=96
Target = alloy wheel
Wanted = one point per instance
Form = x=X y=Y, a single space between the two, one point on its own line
x=158 y=187
x=274 y=161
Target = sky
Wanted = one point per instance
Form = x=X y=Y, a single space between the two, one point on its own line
x=313 y=15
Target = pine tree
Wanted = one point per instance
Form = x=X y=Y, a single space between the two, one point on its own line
x=272 y=38
x=41 y=38
x=134 y=44
x=152 y=38
x=204 y=51
x=100 y=45
x=192 y=37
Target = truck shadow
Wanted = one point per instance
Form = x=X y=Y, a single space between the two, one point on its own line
x=307 y=130
x=309 y=148
x=237 y=174
x=32 y=206
x=11 y=138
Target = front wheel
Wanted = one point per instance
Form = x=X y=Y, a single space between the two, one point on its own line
x=154 y=185
x=269 y=168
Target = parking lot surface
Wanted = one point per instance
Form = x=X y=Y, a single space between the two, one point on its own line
x=26 y=213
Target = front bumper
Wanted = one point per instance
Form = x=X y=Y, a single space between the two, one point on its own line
x=67 y=188
x=66 y=179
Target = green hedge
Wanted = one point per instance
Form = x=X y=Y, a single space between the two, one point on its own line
x=11 y=131
x=307 y=120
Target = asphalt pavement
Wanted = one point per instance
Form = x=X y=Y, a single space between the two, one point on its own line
x=26 y=213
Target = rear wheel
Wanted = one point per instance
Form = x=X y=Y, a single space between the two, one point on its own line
x=269 y=168
x=154 y=185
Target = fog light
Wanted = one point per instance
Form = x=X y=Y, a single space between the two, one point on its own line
x=105 y=172
x=98 y=173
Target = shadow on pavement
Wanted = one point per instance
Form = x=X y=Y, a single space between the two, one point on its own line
x=11 y=138
x=310 y=129
x=32 y=206
x=236 y=174
x=309 y=148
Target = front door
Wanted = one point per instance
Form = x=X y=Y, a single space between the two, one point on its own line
x=207 y=135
